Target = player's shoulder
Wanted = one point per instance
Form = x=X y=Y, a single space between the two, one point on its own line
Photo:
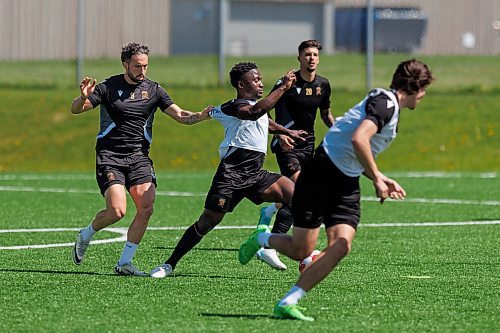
x=232 y=106
x=148 y=83
x=321 y=79
x=379 y=94
x=114 y=78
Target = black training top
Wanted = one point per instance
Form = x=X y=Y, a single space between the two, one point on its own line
x=127 y=113
x=298 y=106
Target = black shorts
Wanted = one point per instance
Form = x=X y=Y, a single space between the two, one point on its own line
x=128 y=171
x=323 y=194
x=239 y=175
x=293 y=161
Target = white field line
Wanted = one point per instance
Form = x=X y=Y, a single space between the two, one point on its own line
x=410 y=174
x=123 y=231
x=73 y=190
x=201 y=194
x=121 y=238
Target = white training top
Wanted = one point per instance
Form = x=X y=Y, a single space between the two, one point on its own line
x=338 y=140
x=240 y=133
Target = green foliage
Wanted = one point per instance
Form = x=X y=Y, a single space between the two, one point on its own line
x=455 y=128
x=396 y=279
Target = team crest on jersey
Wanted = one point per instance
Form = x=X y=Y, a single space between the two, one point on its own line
x=132 y=96
x=221 y=202
x=144 y=95
x=318 y=91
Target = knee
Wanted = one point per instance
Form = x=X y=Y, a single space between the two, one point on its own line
x=207 y=222
x=116 y=214
x=287 y=190
x=342 y=246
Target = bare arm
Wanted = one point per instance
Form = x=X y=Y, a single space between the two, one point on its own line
x=286 y=137
x=254 y=112
x=187 y=117
x=384 y=186
x=81 y=103
x=327 y=117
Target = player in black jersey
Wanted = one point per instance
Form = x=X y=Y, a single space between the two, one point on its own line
x=242 y=152
x=296 y=109
x=327 y=190
x=128 y=104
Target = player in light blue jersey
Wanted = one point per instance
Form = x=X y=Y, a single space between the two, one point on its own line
x=327 y=190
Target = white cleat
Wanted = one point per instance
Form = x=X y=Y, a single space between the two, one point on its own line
x=79 y=248
x=161 y=271
x=129 y=269
x=270 y=257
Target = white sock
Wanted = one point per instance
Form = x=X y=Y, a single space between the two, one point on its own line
x=270 y=210
x=88 y=232
x=127 y=254
x=293 y=296
x=263 y=238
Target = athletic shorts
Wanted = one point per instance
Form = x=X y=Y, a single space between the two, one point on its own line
x=239 y=175
x=129 y=171
x=293 y=161
x=323 y=194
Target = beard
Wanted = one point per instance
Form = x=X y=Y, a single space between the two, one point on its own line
x=133 y=78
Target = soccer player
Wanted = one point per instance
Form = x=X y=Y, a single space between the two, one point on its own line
x=242 y=152
x=128 y=103
x=296 y=109
x=327 y=191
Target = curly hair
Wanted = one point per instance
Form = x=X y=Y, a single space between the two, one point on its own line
x=131 y=49
x=411 y=76
x=310 y=43
x=239 y=70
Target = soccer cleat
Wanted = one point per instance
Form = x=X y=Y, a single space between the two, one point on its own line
x=250 y=247
x=128 y=269
x=263 y=219
x=307 y=261
x=292 y=311
x=270 y=257
x=79 y=248
x=161 y=271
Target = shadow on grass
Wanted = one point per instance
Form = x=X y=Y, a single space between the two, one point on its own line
x=14 y=270
x=198 y=249
x=195 y=275
x=238 y=316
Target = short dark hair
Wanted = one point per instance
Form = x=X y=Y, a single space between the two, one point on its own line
x=309 y=43
x=131 y=49
x=239 y=70
x=411 y=75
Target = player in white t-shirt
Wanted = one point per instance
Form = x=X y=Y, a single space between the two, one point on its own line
x=242 y=152
x=327 y=190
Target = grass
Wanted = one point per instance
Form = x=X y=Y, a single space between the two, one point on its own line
x=345 y=71
x=455 y=128
x=396 y=279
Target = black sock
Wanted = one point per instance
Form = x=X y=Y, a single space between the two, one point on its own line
x=284 y=220
x=189 y=240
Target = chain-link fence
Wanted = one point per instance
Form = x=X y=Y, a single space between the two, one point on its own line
x=463 y=34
